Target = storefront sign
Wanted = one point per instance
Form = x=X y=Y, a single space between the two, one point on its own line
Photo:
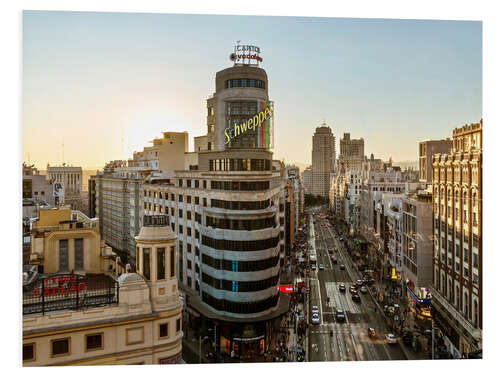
x=286 y=288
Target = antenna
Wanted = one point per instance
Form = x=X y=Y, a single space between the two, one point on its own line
x=63 y=151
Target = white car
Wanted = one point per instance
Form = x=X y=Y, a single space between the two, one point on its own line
x=321 y=267
x=315 y=319
x=315 y=310
x=391 y=339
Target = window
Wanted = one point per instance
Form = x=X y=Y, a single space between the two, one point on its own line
x=172 y=261
x=204 y=184
x=180 y=198
x=196 y=200
x=160 y=263
x=178 y=325
x=188 y=199
x=63 y=255
x=79 y=254
x=93 y=342
x=164 y=330
x=60 y=347
x=146 y=261
x=29 y=352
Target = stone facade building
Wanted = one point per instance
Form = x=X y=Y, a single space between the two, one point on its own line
x=457 y=208
x=352 y=154
x=85 y=307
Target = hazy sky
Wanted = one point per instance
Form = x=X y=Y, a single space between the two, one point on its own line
x=93 y=79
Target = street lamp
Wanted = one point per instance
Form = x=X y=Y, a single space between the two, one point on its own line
x=200 y=341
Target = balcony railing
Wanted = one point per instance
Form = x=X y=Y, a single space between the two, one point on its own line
x=69 y=292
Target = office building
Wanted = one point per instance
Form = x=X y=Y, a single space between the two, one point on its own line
x=323 y=160
x=352 y=154
x=229 y=214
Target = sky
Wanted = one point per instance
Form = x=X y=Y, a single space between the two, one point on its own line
x=105 y=84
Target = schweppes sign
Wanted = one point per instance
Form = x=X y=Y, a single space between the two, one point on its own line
x=261 y=123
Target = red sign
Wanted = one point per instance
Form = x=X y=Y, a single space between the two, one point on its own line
x=60 y=285
x=286 y=288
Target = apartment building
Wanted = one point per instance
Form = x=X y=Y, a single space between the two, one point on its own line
x=426 y=149
x=417 y=243
x=457 y=208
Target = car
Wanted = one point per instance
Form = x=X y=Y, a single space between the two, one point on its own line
x=342 y=267
x=321 y=267
x=364 y=289
x=315 y=319
x=353 y=289
x=372 y=333
x=334 y=260
x=342 y=287
x=359 y=283
x=340 y=316
x=341 y=238
x=356 y=298
x=315 y=310
x=313 y=266
x=391 y=339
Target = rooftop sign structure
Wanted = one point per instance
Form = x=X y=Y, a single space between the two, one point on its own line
x=245 y=55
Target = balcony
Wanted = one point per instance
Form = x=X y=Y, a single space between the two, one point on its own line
x=454 y=316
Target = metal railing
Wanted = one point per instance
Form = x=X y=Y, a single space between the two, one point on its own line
x=69 y=292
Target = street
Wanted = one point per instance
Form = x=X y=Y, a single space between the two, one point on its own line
x=331 y=340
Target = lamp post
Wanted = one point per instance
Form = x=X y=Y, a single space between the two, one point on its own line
x=200 y=341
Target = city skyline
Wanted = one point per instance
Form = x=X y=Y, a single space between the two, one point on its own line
x=111 y=82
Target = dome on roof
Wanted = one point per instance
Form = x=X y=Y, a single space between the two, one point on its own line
x=129 y=278
x=156 y=233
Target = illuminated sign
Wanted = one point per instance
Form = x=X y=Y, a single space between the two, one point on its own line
x=261 y=124
x=59 y=285
x=394 y=276
x=286 y=288
x=246 y=55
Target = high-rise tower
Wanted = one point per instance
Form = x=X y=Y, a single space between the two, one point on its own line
x=323 y=160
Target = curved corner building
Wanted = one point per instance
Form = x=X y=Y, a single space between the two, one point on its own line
x=228 y=212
